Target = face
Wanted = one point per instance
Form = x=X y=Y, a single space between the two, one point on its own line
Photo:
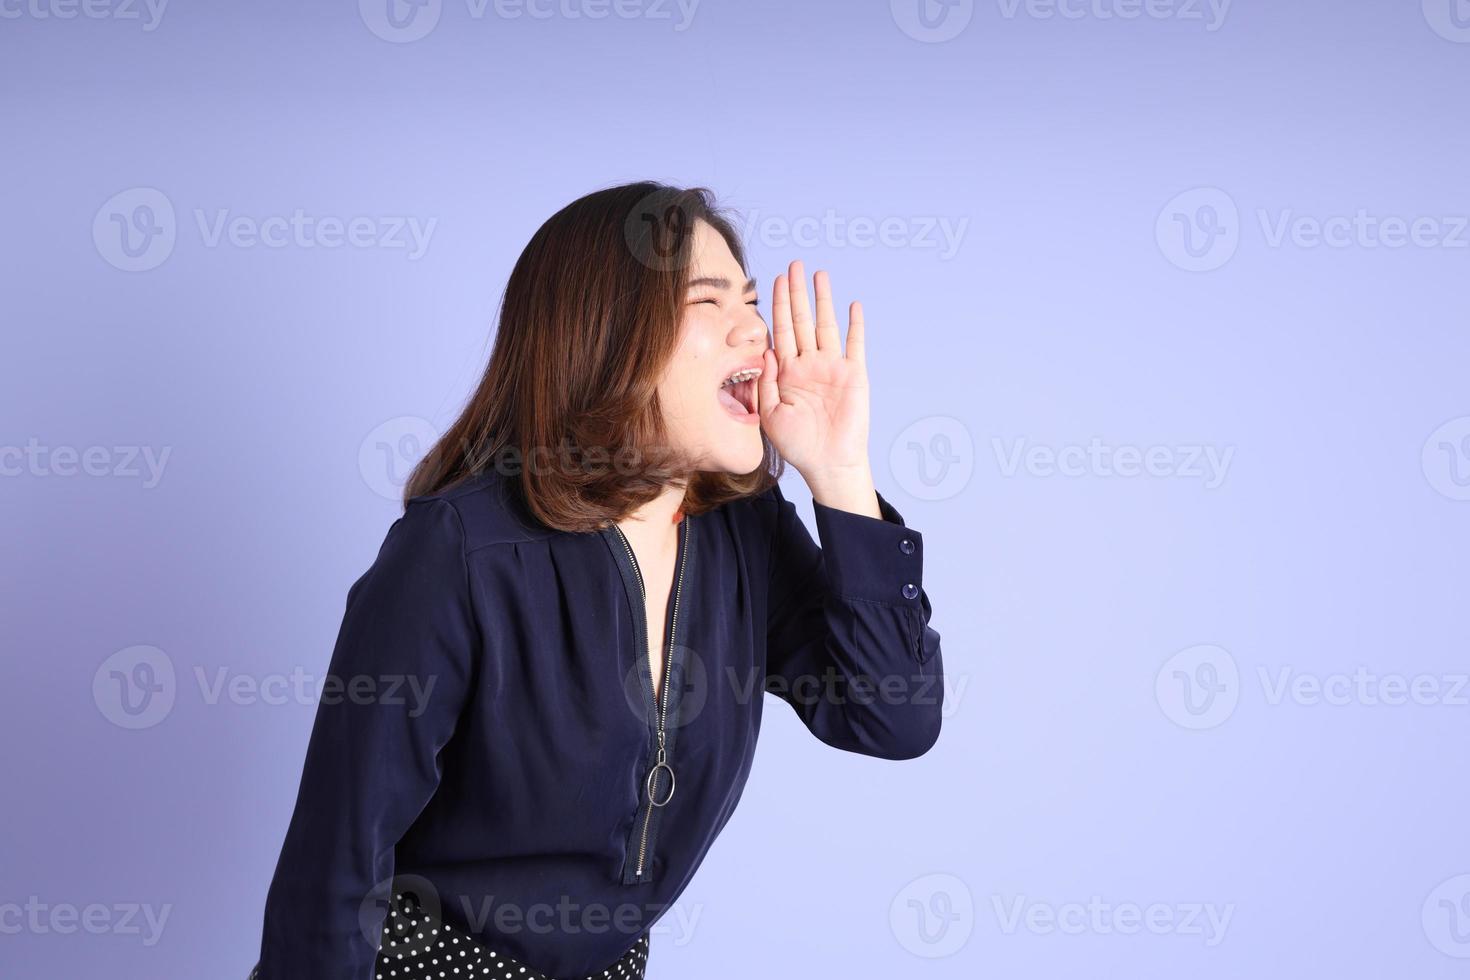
x=721 y=334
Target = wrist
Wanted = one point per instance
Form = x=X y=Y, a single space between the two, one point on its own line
x=848 y=488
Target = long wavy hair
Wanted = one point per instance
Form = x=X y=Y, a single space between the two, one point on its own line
x=569 y=400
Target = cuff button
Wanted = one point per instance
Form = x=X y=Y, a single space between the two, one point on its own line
x=910 y=590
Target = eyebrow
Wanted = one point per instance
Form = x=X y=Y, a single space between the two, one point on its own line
x=720 y=282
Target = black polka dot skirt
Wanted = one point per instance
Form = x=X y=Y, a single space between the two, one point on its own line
x=418 y=945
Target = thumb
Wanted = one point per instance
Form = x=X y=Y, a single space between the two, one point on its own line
x=768 y=392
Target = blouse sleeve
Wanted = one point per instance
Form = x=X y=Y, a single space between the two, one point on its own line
x=398 y=679
x=849 y=645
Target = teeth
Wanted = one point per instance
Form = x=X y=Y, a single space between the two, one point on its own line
x=739 y=376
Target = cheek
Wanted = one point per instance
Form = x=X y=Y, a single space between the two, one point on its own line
x=687 y=392
x=683 y=395
x=688 y=380
x=699 y=340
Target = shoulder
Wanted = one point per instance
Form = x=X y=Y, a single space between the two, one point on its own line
x=487 y=508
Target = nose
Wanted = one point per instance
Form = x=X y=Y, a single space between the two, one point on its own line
x=748 y=328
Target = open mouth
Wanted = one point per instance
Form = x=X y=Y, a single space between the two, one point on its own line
x=737 y=394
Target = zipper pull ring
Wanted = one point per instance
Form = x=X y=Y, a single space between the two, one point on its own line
x=660 y=762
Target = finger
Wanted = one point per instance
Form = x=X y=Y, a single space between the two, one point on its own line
x=781 y=334
x=767 y=390
x=857 y=350
x=801 y=309
x=828 y=337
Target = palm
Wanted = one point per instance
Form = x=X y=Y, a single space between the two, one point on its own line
x=813 y=396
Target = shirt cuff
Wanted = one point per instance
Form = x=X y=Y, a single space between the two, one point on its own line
x=871 y=559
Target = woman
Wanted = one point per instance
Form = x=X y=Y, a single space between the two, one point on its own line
x=595 y=579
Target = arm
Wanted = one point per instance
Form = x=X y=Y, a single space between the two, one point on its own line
x=849 y=645
x=371 y=765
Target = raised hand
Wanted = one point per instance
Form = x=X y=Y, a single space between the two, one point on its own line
x=813 y=397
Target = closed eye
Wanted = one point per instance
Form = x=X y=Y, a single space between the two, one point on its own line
x=710 y=299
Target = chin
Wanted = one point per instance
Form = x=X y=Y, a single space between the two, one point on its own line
x=738 y=459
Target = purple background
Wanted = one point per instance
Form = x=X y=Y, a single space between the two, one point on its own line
x=1069 y=154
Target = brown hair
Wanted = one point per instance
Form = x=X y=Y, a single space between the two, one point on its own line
x=588 y=321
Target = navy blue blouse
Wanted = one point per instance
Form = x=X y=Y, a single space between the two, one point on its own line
x=503 y=746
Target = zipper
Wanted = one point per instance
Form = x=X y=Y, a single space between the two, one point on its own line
x=661 y=703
